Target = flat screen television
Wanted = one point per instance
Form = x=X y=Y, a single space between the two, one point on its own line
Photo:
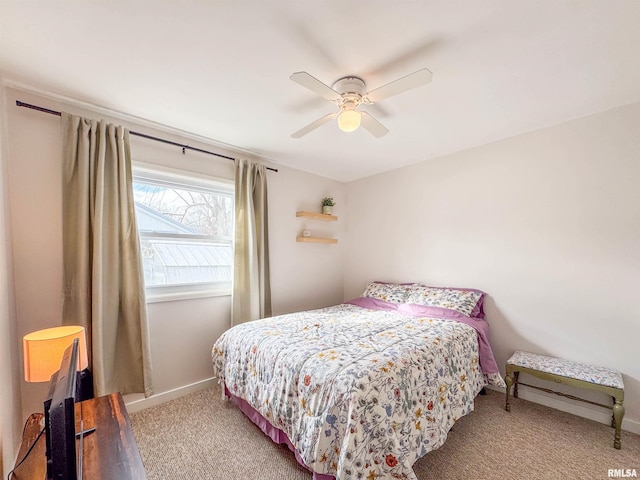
x=60 y=421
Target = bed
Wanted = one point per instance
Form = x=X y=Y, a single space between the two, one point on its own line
x=363 y=389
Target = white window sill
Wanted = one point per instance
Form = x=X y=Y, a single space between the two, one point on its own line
x=157 y=295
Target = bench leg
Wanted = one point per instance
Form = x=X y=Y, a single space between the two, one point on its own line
x=618 y=413
x=509 y=381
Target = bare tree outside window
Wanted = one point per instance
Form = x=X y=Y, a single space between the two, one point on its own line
x=205 y=213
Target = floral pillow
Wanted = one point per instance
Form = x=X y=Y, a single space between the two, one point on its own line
x=466 y=301
x=388 y=292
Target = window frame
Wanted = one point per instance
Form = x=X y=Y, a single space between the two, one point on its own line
x=169 y=177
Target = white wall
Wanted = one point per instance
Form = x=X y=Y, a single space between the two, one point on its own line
x=9 y=393
x=304 y=275
x=547 y=223
x=182 y=332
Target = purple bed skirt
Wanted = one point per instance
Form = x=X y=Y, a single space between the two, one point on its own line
x=275 y=434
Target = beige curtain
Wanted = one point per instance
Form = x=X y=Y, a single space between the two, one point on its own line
x=251 y=286
x=103 y=280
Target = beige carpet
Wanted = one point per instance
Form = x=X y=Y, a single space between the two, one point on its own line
x=200 y=437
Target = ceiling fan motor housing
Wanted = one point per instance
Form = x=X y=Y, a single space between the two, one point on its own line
x=349 y=85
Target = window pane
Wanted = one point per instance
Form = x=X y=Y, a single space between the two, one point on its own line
x=185 y=233
x=175 y=262
x=178 y=210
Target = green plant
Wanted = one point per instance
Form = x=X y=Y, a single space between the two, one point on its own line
x=328 y=202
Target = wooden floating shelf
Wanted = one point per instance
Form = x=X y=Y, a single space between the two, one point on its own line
x=317 y=216
x=316 y=240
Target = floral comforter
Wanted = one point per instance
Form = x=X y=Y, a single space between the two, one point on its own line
x=361 y=394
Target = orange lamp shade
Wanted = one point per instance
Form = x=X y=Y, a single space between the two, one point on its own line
x=43 y=350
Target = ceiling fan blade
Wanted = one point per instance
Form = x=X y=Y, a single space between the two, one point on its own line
x=374 y=127
x=413 y=80
x=313 y=125
x=315 y=85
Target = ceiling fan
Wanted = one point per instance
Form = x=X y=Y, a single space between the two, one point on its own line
x=348 y=93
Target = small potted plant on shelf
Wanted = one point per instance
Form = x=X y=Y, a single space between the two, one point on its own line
x=327 y=205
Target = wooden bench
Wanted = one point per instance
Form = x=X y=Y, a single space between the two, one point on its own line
x=569 y=373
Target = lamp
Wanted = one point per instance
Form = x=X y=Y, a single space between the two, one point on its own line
x=349 y=120
x=43 y=350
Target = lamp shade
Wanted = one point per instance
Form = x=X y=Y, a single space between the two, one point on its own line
x=43 y=350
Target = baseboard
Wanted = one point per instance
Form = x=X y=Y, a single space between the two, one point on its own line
x=135 y=403
x=575 y=408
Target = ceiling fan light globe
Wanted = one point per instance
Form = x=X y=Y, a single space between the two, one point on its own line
x=349 y=121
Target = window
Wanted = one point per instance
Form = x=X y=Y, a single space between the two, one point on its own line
x=186 y=228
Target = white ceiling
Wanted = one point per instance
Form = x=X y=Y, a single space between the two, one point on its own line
x=220 y=69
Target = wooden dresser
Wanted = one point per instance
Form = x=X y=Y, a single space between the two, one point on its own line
x=109 y=453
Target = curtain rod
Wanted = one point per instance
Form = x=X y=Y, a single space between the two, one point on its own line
x=137 y=134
